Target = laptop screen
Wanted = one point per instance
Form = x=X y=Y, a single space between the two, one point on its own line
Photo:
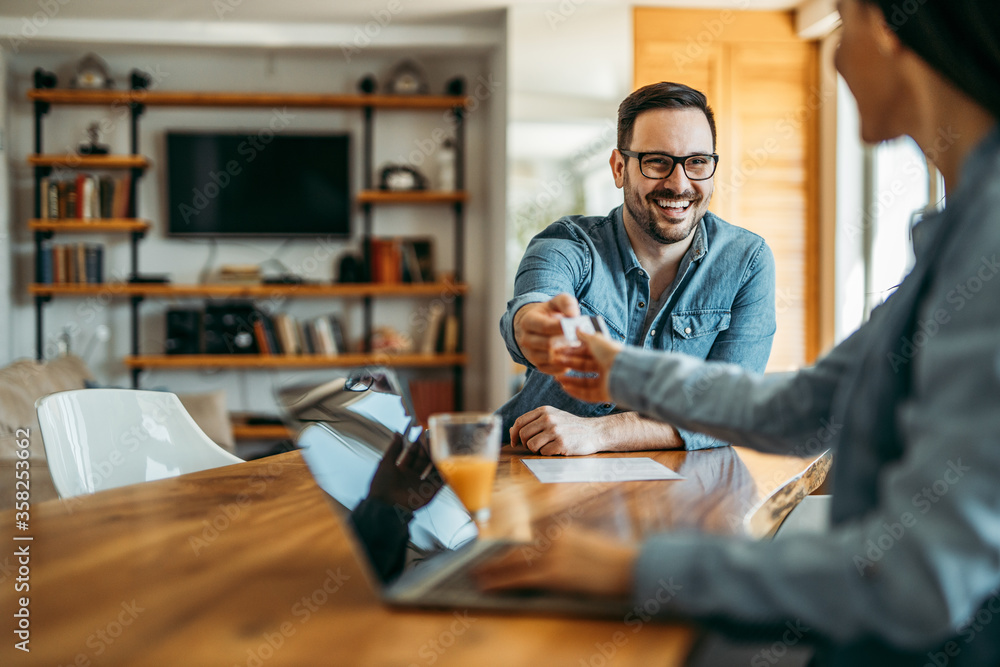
x=350 y=422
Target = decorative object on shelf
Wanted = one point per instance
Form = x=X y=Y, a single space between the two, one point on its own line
x=455 y=86
x=402 y=177
x=351 y=269
x=239 y=274
x=229 y=328
x=367 y=84
x=446 y=165
x=44 y=80
x=139 y=80
x=390 y=341
x=407 y=78
x=184 y=331
x=92 y=73
x=94 y=146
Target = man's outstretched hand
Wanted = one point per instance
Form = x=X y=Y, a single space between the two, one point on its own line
x=536 y=324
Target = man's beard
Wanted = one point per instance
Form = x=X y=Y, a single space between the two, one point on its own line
x=649 y=222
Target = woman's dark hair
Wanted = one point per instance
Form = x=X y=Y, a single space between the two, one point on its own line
x=662 y=95
x=958 y=38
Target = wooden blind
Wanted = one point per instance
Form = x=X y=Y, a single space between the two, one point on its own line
x=762 y=82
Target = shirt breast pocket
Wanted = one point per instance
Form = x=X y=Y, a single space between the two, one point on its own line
x=695 y=331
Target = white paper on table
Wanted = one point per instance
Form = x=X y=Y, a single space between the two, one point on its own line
x=624 y=469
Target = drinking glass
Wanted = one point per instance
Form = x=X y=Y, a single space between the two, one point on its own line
x=465 y=447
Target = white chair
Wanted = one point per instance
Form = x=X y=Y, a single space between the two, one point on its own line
x=97 y=439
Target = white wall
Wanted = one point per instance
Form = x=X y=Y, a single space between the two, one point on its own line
x=254 y=69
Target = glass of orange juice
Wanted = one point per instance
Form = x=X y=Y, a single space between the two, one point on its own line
x=465 y=447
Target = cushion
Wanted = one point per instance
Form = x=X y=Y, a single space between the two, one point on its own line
x=210 y=412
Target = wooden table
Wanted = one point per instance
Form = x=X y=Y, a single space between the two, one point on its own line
x=247 y=565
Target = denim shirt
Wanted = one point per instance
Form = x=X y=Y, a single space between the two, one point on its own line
x=910 y=571
x=721 y=305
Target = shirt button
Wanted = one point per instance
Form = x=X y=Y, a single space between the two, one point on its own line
x=687 y=330
x=642 y=304
x=642 y=273
x=652 y=332
x=606 y=406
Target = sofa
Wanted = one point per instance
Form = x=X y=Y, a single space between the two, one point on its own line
x=25 y=381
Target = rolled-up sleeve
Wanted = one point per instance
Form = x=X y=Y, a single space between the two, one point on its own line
x=557 y=260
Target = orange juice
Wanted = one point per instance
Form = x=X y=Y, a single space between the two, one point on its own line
x=471 y=478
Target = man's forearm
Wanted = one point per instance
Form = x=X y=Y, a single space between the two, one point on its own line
x=630 y=432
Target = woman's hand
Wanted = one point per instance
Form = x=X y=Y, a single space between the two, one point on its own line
x=596 y=357
x=576 y=561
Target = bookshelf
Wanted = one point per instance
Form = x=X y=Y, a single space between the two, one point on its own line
x=137 y=101
x=72 y=161
x=294 y=361
x=89 y=226
x=171 y=291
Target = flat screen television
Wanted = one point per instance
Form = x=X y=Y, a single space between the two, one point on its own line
x=239 y=184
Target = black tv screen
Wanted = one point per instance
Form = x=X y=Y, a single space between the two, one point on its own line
x=237 y=184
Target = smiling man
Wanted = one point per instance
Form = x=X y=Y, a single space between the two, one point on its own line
x=663 y=271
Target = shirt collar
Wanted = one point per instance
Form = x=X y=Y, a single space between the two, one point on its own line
x=698 y=249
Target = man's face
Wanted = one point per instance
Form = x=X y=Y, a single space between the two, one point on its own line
x=666 y=210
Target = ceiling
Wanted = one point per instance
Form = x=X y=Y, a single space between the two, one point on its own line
x=340 y=11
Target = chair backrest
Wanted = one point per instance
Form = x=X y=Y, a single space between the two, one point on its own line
x=97 y=439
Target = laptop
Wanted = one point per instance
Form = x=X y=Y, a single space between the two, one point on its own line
x=351 y=422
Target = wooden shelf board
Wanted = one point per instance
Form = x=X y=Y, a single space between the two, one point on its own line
x=290 y=361
x=170 y=290
x=411 y=197
x=102 y=225
x=261 y=432
x=175 y=98
x=74 y=161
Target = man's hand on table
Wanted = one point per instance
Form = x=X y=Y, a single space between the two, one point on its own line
x=537 y=323
x=553 y=432
x=577 y=561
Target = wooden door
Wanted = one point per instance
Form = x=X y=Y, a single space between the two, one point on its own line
x=762 y=82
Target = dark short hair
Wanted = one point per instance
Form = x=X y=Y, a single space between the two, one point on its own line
x=663 y=95
x=958 y=38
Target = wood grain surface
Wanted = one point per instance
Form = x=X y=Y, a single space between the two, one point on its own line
x=250 y=565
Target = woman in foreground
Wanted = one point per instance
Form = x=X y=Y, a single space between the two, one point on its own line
x=914 y=393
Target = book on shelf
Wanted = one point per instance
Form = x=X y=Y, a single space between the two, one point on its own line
x=66 y=263
x=260 y=335
x=283 y=334
x=449 y=338
x=285 y=329
x=323 y=333
x=400 y=260
x=432 y=331
x=85 y=197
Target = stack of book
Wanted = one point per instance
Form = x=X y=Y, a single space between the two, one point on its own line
x=71 y=263
x=282 y=334
x=85 y=197
x=239 y=274
x=401 y=260
x=440 y=332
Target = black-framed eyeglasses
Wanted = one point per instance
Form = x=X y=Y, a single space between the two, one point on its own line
x=658 y=166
